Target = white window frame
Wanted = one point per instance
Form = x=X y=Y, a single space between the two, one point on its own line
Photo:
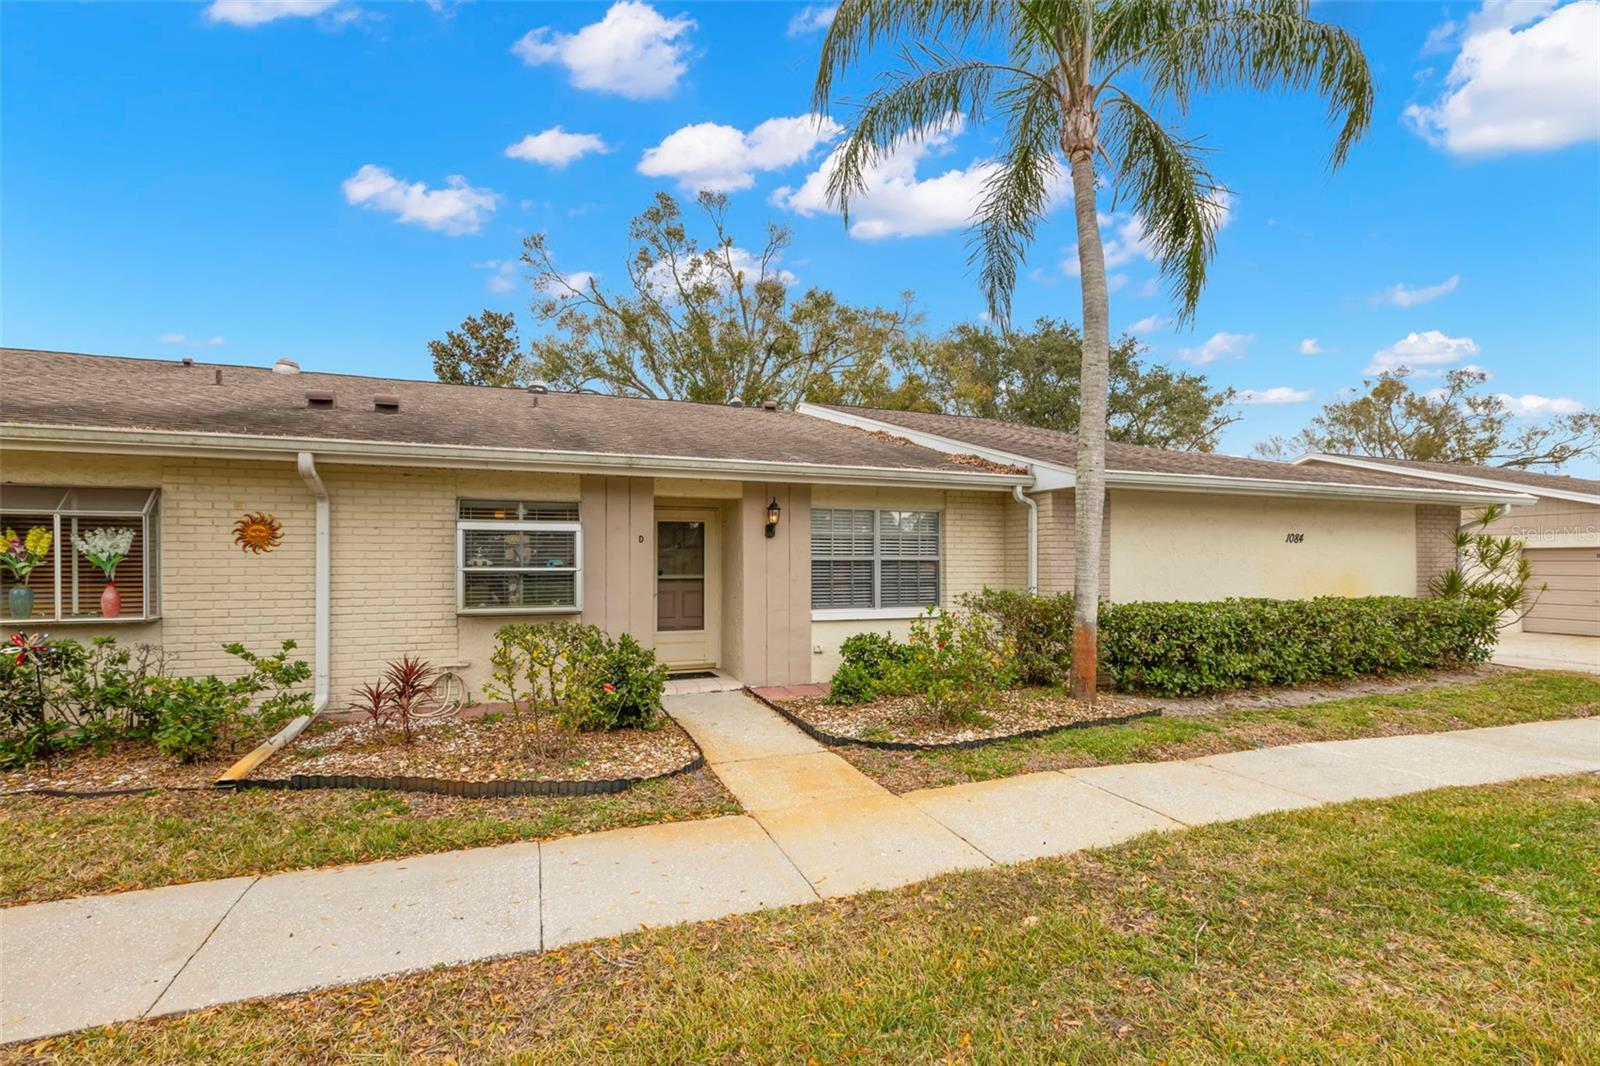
x=65 y=553
x=463 y=526
x=833 y=614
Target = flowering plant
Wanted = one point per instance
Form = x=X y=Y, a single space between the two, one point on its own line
x=21 y=554
x=105 y=548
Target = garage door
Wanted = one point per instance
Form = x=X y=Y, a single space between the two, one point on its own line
x=1571 y=603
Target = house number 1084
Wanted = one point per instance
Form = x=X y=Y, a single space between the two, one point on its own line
x=1294 y=538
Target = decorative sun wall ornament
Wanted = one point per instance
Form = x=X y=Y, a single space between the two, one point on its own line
x=257 y=533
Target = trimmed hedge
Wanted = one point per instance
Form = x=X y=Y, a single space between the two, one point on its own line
x=1190 y=649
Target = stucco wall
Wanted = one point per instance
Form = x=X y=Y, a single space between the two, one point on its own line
x=1190 y=546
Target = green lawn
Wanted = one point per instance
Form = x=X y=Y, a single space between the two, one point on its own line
x=1502 y=699
x=1458 y=925
x=52 y=848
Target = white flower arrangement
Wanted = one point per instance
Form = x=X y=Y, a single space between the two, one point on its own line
x=105 y=548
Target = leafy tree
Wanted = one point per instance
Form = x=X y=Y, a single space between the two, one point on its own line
x=1064 y=78
x=1453 y=423
x=484 y=351
x=712 y=323
x=1036 y=378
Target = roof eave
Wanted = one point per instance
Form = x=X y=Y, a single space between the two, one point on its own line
x=1244 y=486
x=399 y=453
x=1531 y=491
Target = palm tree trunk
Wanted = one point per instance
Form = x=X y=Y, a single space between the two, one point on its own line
x=1090 y=492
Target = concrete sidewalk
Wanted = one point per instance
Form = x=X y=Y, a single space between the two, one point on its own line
x=816 y=827
x=1549 y=651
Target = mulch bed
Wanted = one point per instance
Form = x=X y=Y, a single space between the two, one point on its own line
x=125 y=766
x=488 y=748
x=906 y=722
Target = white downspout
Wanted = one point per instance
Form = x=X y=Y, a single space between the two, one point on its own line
x=307 y=464
x=1033 y=535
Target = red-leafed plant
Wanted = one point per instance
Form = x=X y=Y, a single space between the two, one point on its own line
x=395 y=699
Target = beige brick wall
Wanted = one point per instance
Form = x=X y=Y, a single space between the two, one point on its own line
x=1436 y=550
x=1058 y=543
x=977 y=543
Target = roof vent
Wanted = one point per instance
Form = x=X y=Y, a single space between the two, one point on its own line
x=736 y=402
x=188 y=360
x=386 y=403
x=319 y=397
x=539 y=388
x=286 y=366
x=769 y=405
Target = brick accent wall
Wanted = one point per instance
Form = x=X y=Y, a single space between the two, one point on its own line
x=978 y=543
x=1436 y=550
x=1058 y=543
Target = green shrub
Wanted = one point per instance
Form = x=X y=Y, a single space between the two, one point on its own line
x=1038 y=629
x=1187 y=649
x=956 y=663
x=197 y=714
x=577 y=674
x=631 y=680
x=865 y=660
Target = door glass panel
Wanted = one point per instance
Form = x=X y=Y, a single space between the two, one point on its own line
x=680 y=576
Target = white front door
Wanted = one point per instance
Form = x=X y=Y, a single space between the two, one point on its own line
x=688 y=591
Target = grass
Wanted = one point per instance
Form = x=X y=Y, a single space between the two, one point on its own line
x=53 y=848
x=1501 y=699
x=1456 y=925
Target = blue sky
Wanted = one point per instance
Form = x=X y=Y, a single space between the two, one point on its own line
x=330 y=180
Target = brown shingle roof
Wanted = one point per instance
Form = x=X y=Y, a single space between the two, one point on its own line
x=1532 y=479
x=60 y=388
x=1061 y=449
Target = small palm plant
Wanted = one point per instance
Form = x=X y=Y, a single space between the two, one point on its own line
x=1076 y=85
x=1491 y=569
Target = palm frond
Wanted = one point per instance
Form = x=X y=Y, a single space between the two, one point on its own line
x=1171 y=191
x=913 y=104
x=1018 y=194
x=1176 y=48
x=859 y=25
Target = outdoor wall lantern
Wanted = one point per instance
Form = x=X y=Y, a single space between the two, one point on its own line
x=772 y=518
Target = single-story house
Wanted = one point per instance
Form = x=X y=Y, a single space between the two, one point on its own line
x=1560 y=532
x=370 y=517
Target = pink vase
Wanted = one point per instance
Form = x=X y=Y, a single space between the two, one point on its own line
x=110 y=601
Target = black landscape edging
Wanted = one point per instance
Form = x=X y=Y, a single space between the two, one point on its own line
x=836 y=741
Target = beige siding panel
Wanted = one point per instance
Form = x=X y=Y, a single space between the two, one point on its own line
x=1189 y=546
x=1571 y=602
x=618 y=539
x=1550 y=523
x=733 y=612
x=775 y=629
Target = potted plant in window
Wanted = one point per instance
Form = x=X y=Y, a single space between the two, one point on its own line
x=20 y=555
x=106 y=548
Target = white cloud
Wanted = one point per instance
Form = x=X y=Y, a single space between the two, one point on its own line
x=897 y=203
x=740 y=261
x=456 y=209
x=1145 y=325
x=556 y=147
x=720 y=158
x=1125 y=239
x=1422 y=351
x=1402 y=296
x=1529 y=405
x=258 y=12
x=632 y=51
x=812 y=18
x=1309 y=346
x=1275 y=396
x=1218 y=346
x=559 y=288
x=1527 y=79
x=190 y=342
x=502 y=274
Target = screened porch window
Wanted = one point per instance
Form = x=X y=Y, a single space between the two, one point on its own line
x=66 y=586
x=518 y=557
x=868 y=559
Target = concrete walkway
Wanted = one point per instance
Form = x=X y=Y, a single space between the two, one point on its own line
x=816 y=828
x=1549 y=651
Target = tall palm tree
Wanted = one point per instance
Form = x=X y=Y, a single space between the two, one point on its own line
x=1066 y=78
